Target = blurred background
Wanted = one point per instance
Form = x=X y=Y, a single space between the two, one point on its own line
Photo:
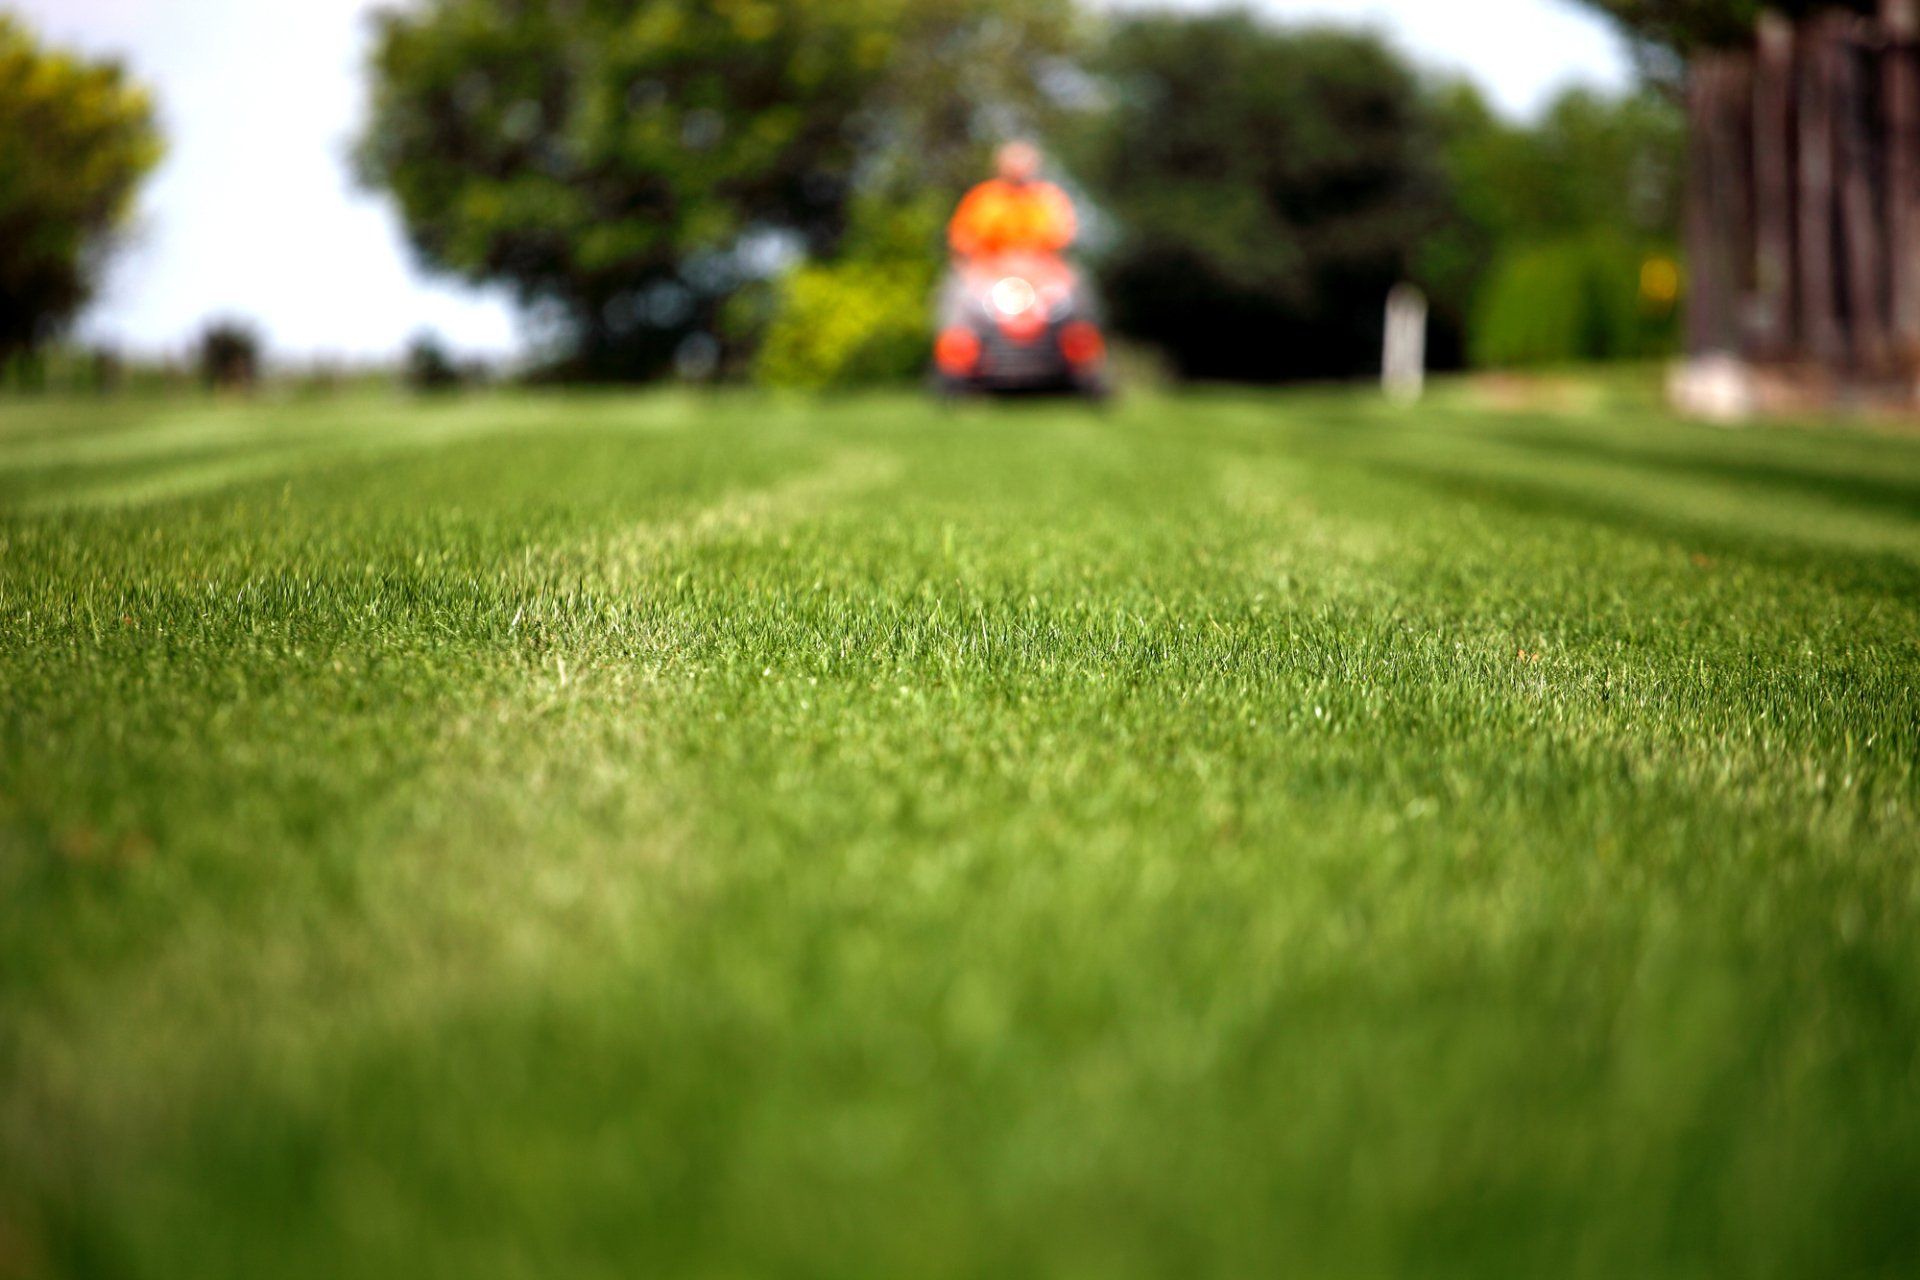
x=755 y=190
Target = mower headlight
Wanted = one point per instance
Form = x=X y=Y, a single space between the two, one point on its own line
x=1014 y=296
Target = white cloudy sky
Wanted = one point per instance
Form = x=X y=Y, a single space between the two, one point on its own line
x=255 y=215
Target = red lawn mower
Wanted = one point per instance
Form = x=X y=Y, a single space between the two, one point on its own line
x=1019 y=324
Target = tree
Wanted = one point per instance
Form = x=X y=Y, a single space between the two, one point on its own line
x=428 y=366
x=627 y=165
x=1270 y=186
x=229 y=356
x=1590 y=163
x=76 y=140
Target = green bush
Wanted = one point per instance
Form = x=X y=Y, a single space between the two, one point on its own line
x=848 y=324
x=1572 y=301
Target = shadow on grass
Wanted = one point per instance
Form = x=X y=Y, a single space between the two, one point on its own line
x=1881 y=574
x=1882 y=493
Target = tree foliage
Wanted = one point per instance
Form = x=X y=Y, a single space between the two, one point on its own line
x=628 y=164
x=964 y=76
x=1269 y=185
x=76 y=139
x=1591 y=162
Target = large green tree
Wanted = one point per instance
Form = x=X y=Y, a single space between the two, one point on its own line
x=1271 y=186
x=626 y=165
x=76 y=139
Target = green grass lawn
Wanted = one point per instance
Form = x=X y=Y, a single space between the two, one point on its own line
x=1232 y=836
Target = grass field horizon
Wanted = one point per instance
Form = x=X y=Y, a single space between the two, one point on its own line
x=1236 y=833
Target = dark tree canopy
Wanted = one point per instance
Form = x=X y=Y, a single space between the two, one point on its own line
x=1271 y=186
x=618 y=161
x=76 y=140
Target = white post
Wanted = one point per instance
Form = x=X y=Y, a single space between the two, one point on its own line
x=1404 y=366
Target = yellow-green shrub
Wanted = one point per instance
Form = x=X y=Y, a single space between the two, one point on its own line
x=1571 y=301
x=848 y=324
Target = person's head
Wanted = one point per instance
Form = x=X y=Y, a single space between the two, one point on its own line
x=1017 y=162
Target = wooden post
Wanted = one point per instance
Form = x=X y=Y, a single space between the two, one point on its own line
x=1821 y=335
x=1706 y=286
x=1900 y=90
x=1773 y=189
x=1733 y=158
x=1863 y=246
x=1715 y=216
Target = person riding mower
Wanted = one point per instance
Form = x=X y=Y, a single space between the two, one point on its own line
x=1015 y=314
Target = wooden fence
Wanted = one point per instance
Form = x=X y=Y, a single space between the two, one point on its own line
x=1803 y=227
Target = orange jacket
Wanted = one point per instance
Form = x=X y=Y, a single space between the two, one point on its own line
x=999 y=217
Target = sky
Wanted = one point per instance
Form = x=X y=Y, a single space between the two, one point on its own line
x=255 y=215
